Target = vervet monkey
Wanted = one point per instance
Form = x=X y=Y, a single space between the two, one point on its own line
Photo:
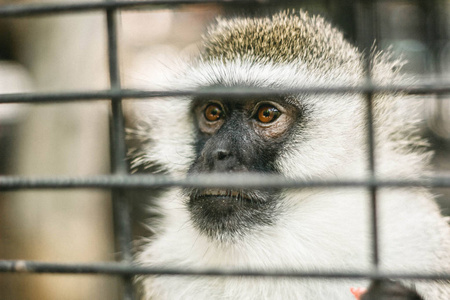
x=303 y=136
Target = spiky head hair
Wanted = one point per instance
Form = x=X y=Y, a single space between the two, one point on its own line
x=285 y=37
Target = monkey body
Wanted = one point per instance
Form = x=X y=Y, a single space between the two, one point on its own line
x=301 y=136
x=320 y=240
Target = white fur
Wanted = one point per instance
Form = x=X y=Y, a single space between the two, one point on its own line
x=318 y=229
x=310 y=236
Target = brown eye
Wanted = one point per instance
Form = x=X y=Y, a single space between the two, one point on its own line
x=213 y=112
x=267 y=114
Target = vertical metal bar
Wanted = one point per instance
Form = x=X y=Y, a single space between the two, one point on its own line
x=366 y=34
x=121 y=215
x=372 y=189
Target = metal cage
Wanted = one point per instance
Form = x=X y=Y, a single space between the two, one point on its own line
x=119 y=179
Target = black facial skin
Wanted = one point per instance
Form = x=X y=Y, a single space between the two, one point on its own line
x=237 y=142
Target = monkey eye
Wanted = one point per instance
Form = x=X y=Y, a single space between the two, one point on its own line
x=213 y=112
x=267 y=114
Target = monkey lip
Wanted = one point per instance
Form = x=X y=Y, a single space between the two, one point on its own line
x=227 y=211
x=223 y=193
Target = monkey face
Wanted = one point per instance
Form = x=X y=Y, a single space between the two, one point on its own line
x=301 y=136
x=238 y=137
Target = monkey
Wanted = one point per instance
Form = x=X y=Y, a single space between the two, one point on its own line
x=301 y=136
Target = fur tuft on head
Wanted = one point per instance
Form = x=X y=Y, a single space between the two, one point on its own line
x=287 y=37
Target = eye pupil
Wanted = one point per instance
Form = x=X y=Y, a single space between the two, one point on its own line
x=213 y=112
x=267 y=114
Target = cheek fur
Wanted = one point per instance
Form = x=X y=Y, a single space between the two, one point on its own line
x=170 y=144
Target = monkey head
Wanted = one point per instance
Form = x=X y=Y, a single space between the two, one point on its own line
x=304 y=136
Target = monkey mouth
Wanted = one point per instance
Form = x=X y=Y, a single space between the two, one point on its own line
x=229 y=212
x=223 y=202
x=227 y=198
x=223 y=193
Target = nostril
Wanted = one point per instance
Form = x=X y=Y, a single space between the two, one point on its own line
x=221 y=154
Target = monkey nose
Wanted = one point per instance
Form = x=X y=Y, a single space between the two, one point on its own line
x=221 y=154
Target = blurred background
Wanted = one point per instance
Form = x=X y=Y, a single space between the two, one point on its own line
x=67 y=52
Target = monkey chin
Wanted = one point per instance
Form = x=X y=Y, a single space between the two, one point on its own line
x=228 y=215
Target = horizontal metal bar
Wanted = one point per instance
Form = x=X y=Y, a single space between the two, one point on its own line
x=419 y=89
x=78 y=7
x=20 y=266
x=206 y=181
